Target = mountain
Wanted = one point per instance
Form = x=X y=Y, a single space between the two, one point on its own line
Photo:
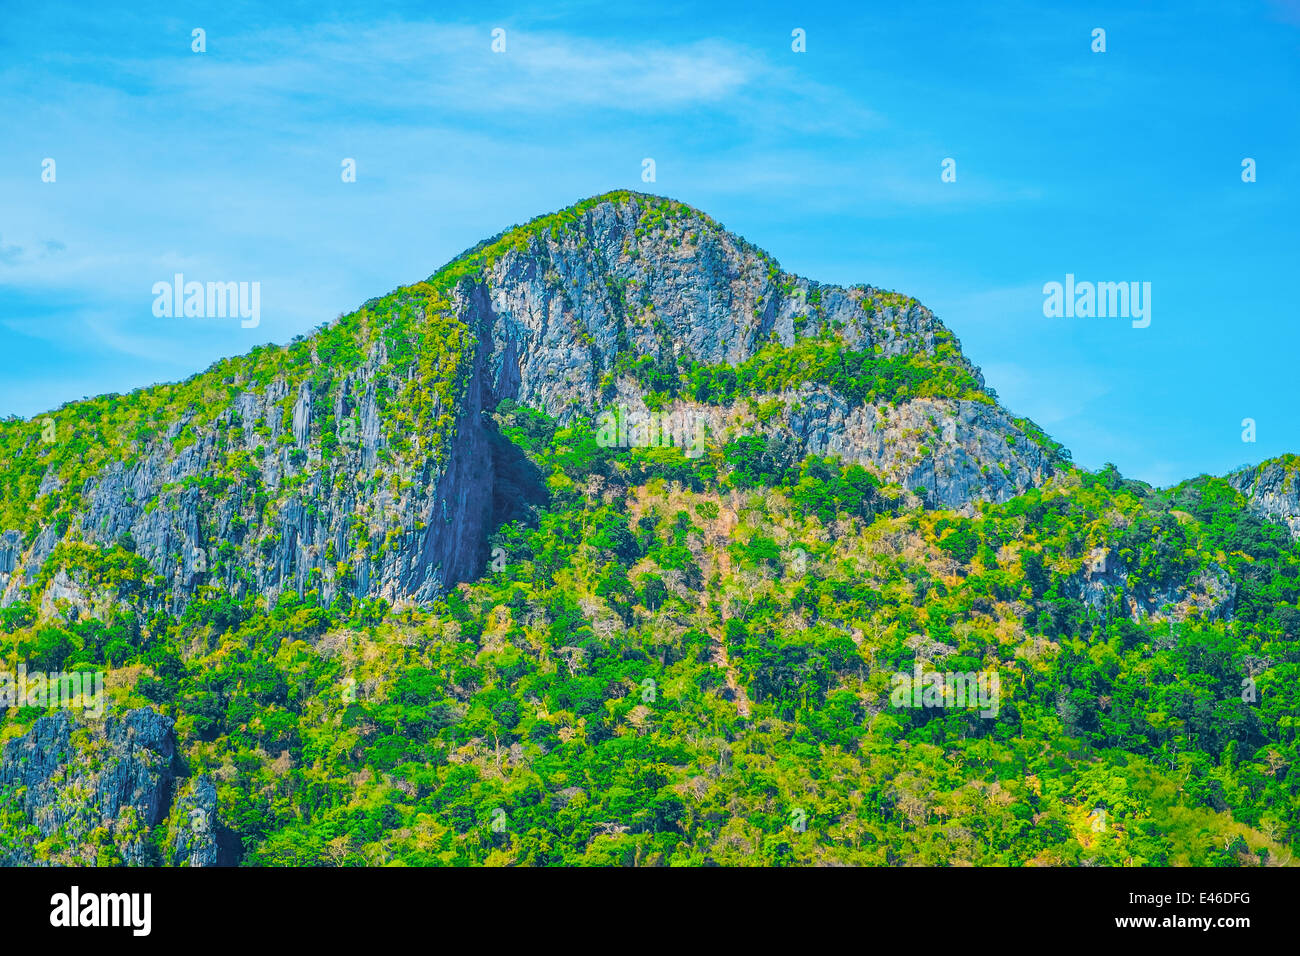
x=612 y=542
x=359 y=460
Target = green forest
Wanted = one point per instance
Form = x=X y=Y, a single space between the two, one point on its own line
x=681 y=662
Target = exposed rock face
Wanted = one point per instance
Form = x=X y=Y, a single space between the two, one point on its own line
x=1273 y=491
x=10 y=551
x=1211 y=596
x=561 y=310
x=954 y=451
x=114 y=774
x=549 y=319
x=440 y=517
x=198 y=834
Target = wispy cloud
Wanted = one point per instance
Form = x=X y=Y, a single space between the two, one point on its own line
x=403 y=70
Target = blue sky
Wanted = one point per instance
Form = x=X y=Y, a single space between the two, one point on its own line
x=1115 y=166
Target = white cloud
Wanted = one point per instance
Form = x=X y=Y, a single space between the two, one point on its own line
x=404 y=70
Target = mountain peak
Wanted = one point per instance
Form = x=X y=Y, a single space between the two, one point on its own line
x=646 y=208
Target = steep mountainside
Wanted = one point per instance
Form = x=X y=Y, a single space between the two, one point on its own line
x=358 y=460
x=430 y=587
x=1271 y=489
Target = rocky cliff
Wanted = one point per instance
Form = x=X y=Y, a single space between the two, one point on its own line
x=82 y=790
x=1272 y=490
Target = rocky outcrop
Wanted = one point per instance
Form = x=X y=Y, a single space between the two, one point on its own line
x=561 y=309
x=1210 y=596
x=426 y=533
x=1272 y=491
x=71 y=781
x=199 y=839
x=82 y=788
